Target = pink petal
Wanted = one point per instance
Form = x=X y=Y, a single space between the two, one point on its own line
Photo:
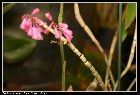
x=28 y=25
x=57 y=33
x=23 y=24
x=35 y=11
x=39 y=37
x=68 y=35
x=23 y=16
x=40 y=29
x=47 y=31
x=48 y=16
x=51 y=25
x=63 y=25
x=30 y=33
x=35 y=34
x=37 y=20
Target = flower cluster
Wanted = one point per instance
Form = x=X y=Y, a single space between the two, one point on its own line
x=30 y=27
x=30 y=24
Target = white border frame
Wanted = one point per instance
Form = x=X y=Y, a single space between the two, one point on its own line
x=17 y=92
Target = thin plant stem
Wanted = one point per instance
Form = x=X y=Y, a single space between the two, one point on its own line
x=70 y=88
x=131 y=56
x=131 y=85
x=109 y=86
x=79 y=54
x=112 y=48
x=60 y=17
x=63 y=65
x=111 y=56
x=92 y=86
x=119 y=45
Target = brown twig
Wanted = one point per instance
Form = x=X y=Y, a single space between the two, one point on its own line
x=109 y=86
x=131 y=56
x=110 y=58
x=131 y=85
x=80 y=55
x=70 y=88
x=92 y=86
x=87 y=30
x=92 y=37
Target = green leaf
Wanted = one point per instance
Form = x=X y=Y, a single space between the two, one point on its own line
x=129 y=18
x=124 y=35
x=124 y=32
x=130 y=14
x=17 y=49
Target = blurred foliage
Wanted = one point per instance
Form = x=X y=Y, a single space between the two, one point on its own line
x=106 y=15
x=72 y=80
x=19 y=51
x=129 y=18
x=8 y=6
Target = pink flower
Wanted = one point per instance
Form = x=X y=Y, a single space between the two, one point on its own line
x=40 y=29
x=48 y=16
x=23 y=23
x=67 y=33
x=35 y=34
x=24 y=16
x=47 y=31
x=35 y=11
x=37 y=20
x=28 y=24
x=31 y=27
x=63 y=25
x=57 y=33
